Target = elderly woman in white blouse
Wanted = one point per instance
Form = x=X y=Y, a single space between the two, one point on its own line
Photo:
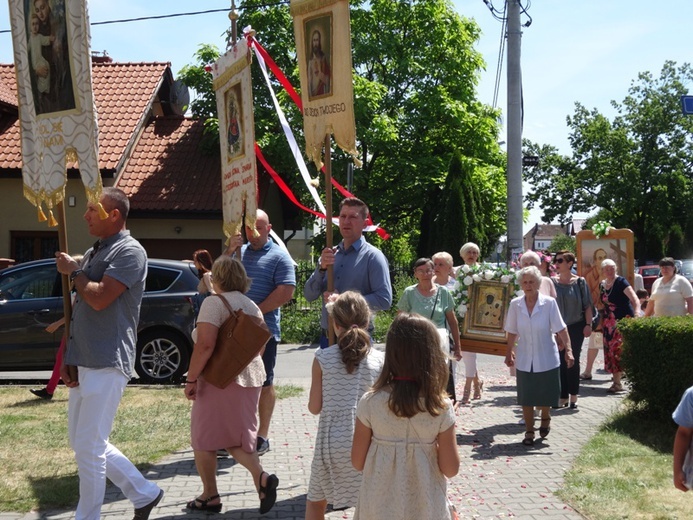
x=533 y=320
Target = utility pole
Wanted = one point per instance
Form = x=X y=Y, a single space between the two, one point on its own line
x=514 y=129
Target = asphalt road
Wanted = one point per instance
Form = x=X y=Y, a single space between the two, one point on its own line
x=293 y=367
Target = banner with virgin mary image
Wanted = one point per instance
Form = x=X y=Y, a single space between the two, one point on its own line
x=233 y=87
x=323 y=50
x=56 y=103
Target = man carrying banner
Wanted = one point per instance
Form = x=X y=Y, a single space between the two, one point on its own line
x=273 y=281
x=103 y=335
x=358 y=266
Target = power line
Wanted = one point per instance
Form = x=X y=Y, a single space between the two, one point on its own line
x=173 y=15
x=499 y=65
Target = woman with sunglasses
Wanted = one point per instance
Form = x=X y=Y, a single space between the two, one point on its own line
x=575 y=303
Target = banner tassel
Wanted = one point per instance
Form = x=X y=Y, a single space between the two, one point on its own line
x=41 y=215
x=51 y=219
x=102 y=212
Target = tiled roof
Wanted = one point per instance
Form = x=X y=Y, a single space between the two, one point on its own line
x=8 y=96
x=122 y=93
x=10 y=152
x=167 y=171
x=546 y=231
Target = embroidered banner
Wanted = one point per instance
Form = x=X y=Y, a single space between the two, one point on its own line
x=56 y=103
x=232 y=83
x=323 y=50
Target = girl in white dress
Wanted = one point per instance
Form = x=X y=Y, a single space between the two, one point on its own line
x=342 y=373
x=404 y=438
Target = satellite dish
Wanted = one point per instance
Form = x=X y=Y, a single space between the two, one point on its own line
x=180 y=97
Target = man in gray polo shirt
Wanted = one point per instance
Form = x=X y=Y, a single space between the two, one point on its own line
x=103 y=334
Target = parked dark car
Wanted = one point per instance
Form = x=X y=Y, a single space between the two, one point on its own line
x=31 y=298
x=687 y=270
x=649 y=274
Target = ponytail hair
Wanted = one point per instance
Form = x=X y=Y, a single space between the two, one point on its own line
x=415 y=368
x=351 y=312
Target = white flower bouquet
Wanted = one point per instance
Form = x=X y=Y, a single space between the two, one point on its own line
x=468 y=276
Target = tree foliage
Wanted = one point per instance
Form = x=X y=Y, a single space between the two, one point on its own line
x=415 y=75
x=635 y=169
x=455 y=213
x=562 y=242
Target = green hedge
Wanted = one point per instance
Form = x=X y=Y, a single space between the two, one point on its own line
x=658 y=361
x=301 y=319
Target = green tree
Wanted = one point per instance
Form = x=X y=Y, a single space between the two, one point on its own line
x=415 y=76
x=635 y=169
x=562 y=242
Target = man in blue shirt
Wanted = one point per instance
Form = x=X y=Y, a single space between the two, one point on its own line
x=273 y=283
x=358 y=266
x=683 y=442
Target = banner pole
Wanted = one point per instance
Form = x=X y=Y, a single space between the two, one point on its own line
x=67 y=300
x=62 y=244
x=328 y=228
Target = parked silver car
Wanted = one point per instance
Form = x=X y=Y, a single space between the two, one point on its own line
x=31 y=299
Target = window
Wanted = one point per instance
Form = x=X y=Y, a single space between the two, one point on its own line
x=160 y=279
x=34 y=282
x=33 y=245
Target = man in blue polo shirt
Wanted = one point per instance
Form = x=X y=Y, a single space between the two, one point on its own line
x=358 y=266
x=273 y=283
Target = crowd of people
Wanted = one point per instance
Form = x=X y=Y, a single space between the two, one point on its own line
x=386 y=433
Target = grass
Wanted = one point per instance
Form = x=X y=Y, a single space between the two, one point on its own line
x=39 y=470
x=625 y=471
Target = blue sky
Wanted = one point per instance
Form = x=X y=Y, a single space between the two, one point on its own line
x=575 y=50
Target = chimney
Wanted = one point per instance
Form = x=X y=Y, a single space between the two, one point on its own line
x=100 y=57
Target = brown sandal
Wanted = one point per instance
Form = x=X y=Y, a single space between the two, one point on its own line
x=529 y=438
x=544 y=430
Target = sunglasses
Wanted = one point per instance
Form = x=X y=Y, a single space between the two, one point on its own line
x=558 y=261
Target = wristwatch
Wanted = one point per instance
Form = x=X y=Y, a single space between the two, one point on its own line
x=74 y=274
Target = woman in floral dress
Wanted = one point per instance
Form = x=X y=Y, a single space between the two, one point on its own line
x=619 y=300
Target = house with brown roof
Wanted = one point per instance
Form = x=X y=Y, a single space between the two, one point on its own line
x=541 y=235
x=147 y=149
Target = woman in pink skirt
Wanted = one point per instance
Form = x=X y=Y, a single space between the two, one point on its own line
x=225 y=418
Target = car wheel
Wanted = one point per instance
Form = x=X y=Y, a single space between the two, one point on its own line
x=162 y=356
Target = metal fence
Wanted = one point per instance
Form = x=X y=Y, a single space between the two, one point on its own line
x=305 y=269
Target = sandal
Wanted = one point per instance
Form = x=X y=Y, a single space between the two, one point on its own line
x=544 y=430
x=478 y=389
x=270 y=492
x=465 y=397
x=529 y=439
x=204 y=505
x=586 y=377
x=615 y=389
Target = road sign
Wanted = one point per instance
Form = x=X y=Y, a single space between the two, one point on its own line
x=687 y=105
x=530 y=160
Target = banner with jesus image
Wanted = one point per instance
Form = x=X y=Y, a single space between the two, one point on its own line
x=56 y=103
x=323 y=50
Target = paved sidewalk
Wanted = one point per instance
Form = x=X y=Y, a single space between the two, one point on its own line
x=499 y=477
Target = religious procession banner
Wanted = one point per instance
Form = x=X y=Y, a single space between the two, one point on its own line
x=233 y=87
x=323 y=49
x=56 y=104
